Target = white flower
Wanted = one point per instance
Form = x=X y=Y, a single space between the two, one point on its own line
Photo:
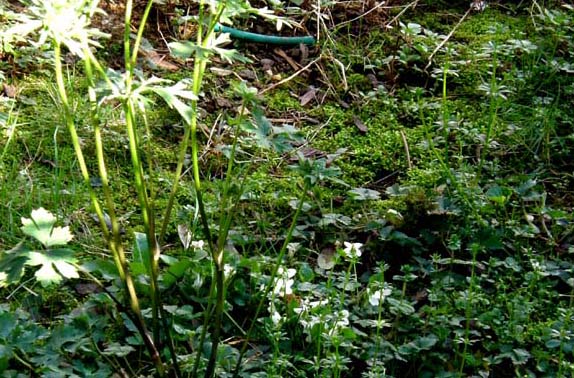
x=352 y=250
x=197 y=244
x=378 y=296
x=274 y=314
x=275 y=317
x=284 y=282
x=292 y=248
x=306 y=305
x=228 y=270
x=342 y=319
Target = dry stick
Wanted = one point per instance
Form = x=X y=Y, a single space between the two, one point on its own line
x=380 y=5
x=406 y=144
x=292 y=76
x=444 y=41
x=395 y=19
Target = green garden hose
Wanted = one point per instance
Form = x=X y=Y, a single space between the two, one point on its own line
x=262 y=38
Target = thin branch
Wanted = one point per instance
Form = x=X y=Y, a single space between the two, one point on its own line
x=444 y=41
x=292 y=76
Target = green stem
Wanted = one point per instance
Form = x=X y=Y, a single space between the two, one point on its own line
x=445 y=115
x=198 y=71
x=379 y=321
x=147 y=207
x=225 y=225
x=117 y=250
x=114 y=240
x=273 y=275
x=74 y=135
x=468 y=310
x=493 y=108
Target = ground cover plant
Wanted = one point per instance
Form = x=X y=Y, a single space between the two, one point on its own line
x=392 y=201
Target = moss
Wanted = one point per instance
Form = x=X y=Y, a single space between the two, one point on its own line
x=281 y=100
x=370 y=155
x=491 y=25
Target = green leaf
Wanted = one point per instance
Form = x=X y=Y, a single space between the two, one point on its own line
x=362 y=194
x=305 y=272
x=519 y=356
x=7 y=324
x=55 y=264
x=141 y=251
x=175 y=272
x=106 y=268
x=171 y=95
x=118 y=350
x=426 y=342
x=12 y=264
x=261 y=130
x=187 y=49
x=498 y=194
x=400 y=306
x=41 y=227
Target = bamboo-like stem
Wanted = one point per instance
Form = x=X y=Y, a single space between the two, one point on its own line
x=224 y=226
x=74 y=135
x=114 y=240
x=217 y=284
x=147 y=207
x=117 y=251
x=198 y=70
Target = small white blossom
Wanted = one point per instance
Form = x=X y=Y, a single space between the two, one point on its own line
x=306 y=305
x=284 y=282
x=342 y=319
x=228 y=270
x=275 y=317
x=197 y=244
x=292 y=248
x=310 y=321
x=352 y=250
x=378 y=296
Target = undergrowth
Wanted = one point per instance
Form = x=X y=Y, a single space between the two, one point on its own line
x=414 y=218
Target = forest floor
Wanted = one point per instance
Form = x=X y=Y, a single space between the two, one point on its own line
x=399 y=203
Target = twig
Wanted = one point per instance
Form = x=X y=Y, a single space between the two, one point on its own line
x=292 y=76
x=411 y=5
x=407 y=152
x=444 y=41
x=380 y=5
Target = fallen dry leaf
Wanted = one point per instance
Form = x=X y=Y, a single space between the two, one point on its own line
x=10 y=90
x=360 y=125
x=308 y=96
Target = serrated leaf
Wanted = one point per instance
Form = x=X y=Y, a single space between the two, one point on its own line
x=171 y=95
x=41 y=227
x=7 y=324
x=362 y=194
x=187 y=49
x=55 y=264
